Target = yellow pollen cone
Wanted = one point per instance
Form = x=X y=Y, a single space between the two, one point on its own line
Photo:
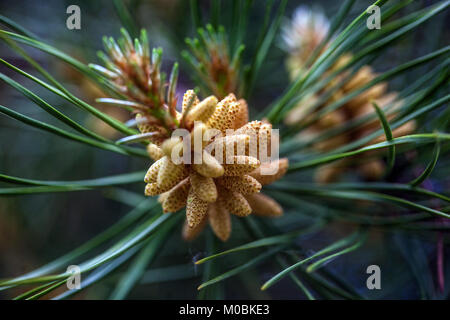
x=170 y=174
x=231 y=115
x=168 y=145
x=264 y=179
x=175 y=199
x=235 y=145
x=372 y=169
x=162 y=197
x=145 y=127
x=220 y=221
x=152 y=189
x=154 y=152
x=373 y=93
x=263 y=205
x=202 y=111
x=249 y=128
x=241 y=165
x=234 y=203
x=198 y=132
x=189 y=233
x=195 y=209
x=264 y=138
x=332 y=119
x=209 y=167
x=242 y=115
x=362 y=76
x=244 y=184
x=330 y=172
x=152 y=173
x=220 y=119
x=186 y=98
x=204 y=187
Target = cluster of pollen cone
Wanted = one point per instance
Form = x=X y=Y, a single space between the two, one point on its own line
x=225 y=174
x=212 y=190
x=306 y=31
